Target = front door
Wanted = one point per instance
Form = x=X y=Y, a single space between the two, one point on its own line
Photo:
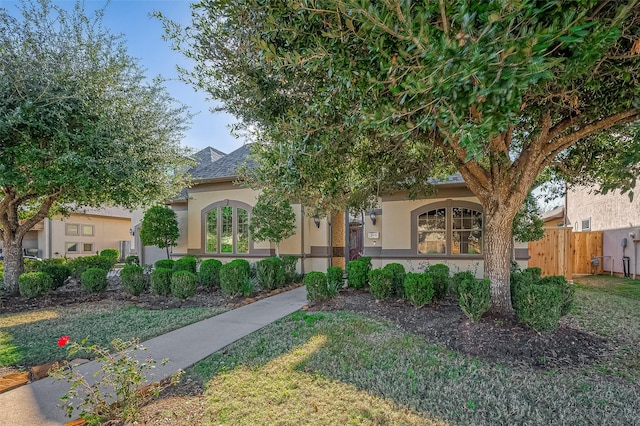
x=355 y=240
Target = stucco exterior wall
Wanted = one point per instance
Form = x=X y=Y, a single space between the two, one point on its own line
x=609 y=211
x=107 y=233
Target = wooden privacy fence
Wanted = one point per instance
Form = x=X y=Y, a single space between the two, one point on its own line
x=564 y=252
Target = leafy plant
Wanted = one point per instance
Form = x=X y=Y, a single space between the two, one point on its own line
x=58 y=272
x=270 y=273
x=94 y=280
x=290 y=271
x=475 y=297
x=161 y=281
x=133 y=279
x=567 y=291
x=186 y=263
x=439 y=274
x=159 y=228
x=81 y=264
x=233 y=277
x=115 y=394
x=132 y=259
x=398 y=274
x=334 y=280
x=272 y=219
x=367 y=261
x=457 y=279
x=164 y=263
x=357 y=274
x=381 y=283
x=316 y=284
x=209 y=273
x=418 y=288
x=112 y=254
x=34 y=284
x=183 y=284
x=539 y=306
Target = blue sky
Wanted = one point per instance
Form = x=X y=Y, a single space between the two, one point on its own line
x=143 y=37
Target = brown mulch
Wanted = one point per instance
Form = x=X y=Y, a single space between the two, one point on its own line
x=498 y=341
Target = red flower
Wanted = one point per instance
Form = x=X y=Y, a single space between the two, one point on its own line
x=63 y=341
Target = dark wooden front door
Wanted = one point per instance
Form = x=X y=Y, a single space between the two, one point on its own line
x=355 y=241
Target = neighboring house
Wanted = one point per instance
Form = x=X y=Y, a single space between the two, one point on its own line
x=553 y=218
x=214 y=216
x=82 y=233
x=615 y=215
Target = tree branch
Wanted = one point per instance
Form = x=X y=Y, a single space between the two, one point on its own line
x=43 y=211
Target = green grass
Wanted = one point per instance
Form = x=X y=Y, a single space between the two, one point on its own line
x=30 y=338
x=349 y=356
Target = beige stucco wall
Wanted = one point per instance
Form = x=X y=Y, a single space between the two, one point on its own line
x=108 y=232
x=609 y=211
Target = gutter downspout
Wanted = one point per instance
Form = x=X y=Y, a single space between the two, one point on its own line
x=330 y=228
x=302 y=252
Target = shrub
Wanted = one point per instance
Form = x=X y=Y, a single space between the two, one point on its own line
x=58 y=272
x=528 y=276
x=567 y=291
x=31 y=265
x=112 y=254
x=397 y=281
x=247 y=288
x=334 y=280
x=133 y=279
x=161 y=281
x=418 y=289
x=475 y=297
x=367 y=261
x=210 y=273
x=456 y=280
x=439 y=274
x=290 y=271
x=34 y=284
x=381 y=283
x=539 y=306
x=94 y=280
x=81 y=264
x=164 y=263
x=132 y=260
x=186 y=263
x=316 y=284
x=270 y=273
x=183 y=284
x=233 y=277
x=357 y=274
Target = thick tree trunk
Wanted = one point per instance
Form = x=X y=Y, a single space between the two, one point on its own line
x=13 y=263
x=497 y=260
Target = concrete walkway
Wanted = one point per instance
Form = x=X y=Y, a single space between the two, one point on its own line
x=38 y=403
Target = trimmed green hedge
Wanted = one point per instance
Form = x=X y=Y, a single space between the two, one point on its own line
x=316 y=284
x=418 y=289
x=183 y=284
x=164 y=263
x=186 y=263
x=270 y=273
x=81 y=264
x=357 y=274
x=161 y=281
x=334 y=280
x=34 y=284
x=133 y=279
x=439 y=274
x=381 y=283
x=210 y=273
x=234 y=277
x=290 y=272
x=398 y=273
x=94 y=280
x=475 y=297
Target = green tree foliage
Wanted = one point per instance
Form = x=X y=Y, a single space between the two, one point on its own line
x=527 y=224
x=272 y=219
x=80 y=124
x=160 y=228
x=352 y=98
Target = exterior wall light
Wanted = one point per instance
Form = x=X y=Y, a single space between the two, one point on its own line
x=316 y=220
x=372 y=215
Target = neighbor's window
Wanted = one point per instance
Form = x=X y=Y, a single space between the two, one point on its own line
x=87 y=248
x=586 y=224
x=87 y=230
x=72 y=248
x=449 y=230
x=227 y=230
x=72 y=229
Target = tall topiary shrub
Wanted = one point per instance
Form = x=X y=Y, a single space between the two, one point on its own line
x=186 y=263
x=357 y=274
x=316 y=285
x=94 y=280
x=133 y=279
x=161 y=281
x=418 y=289
x=439 y=274
x=210 y=273
x=233 y=277
x=290 y=272
x=334 y=280
x=475 y=297
x=381 y=283
x=183 y=284
x=398 y=273
x=270 y=273
x=34 y=284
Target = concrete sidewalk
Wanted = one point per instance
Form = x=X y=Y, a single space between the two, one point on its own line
x=38 y=403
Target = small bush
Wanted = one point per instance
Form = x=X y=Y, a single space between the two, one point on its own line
x=357 y=274
x=439 y=274
x=247 y=288
x=528 y=276
x=539 y=306
x=367 y=261
x=475 y=297
x=270 y=273
x=186 y=263
x=58 y=273
x=183 y=284
x=112 y=254
x=567 y=291
x=34 y=284
x=418 y=289
x=233 y=277
x=164 y=263
x=81 y=264
x=381 y=283
x=132 y=260
x=210 y=273
x=32 y=265
x=316 y=284
x=398 y=273
x=290 y=272
x=161 y=281
x=456 y=280
x=334 y=280
x=94 y=280
x=133 y=279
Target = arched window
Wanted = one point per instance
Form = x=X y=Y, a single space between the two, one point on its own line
x=448 y=228
x=226 y=227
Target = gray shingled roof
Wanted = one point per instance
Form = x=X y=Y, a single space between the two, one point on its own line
x=225 y=167
x=205 y=158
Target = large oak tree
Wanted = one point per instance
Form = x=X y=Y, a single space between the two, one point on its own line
x=80 y=125
x=353 y=98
